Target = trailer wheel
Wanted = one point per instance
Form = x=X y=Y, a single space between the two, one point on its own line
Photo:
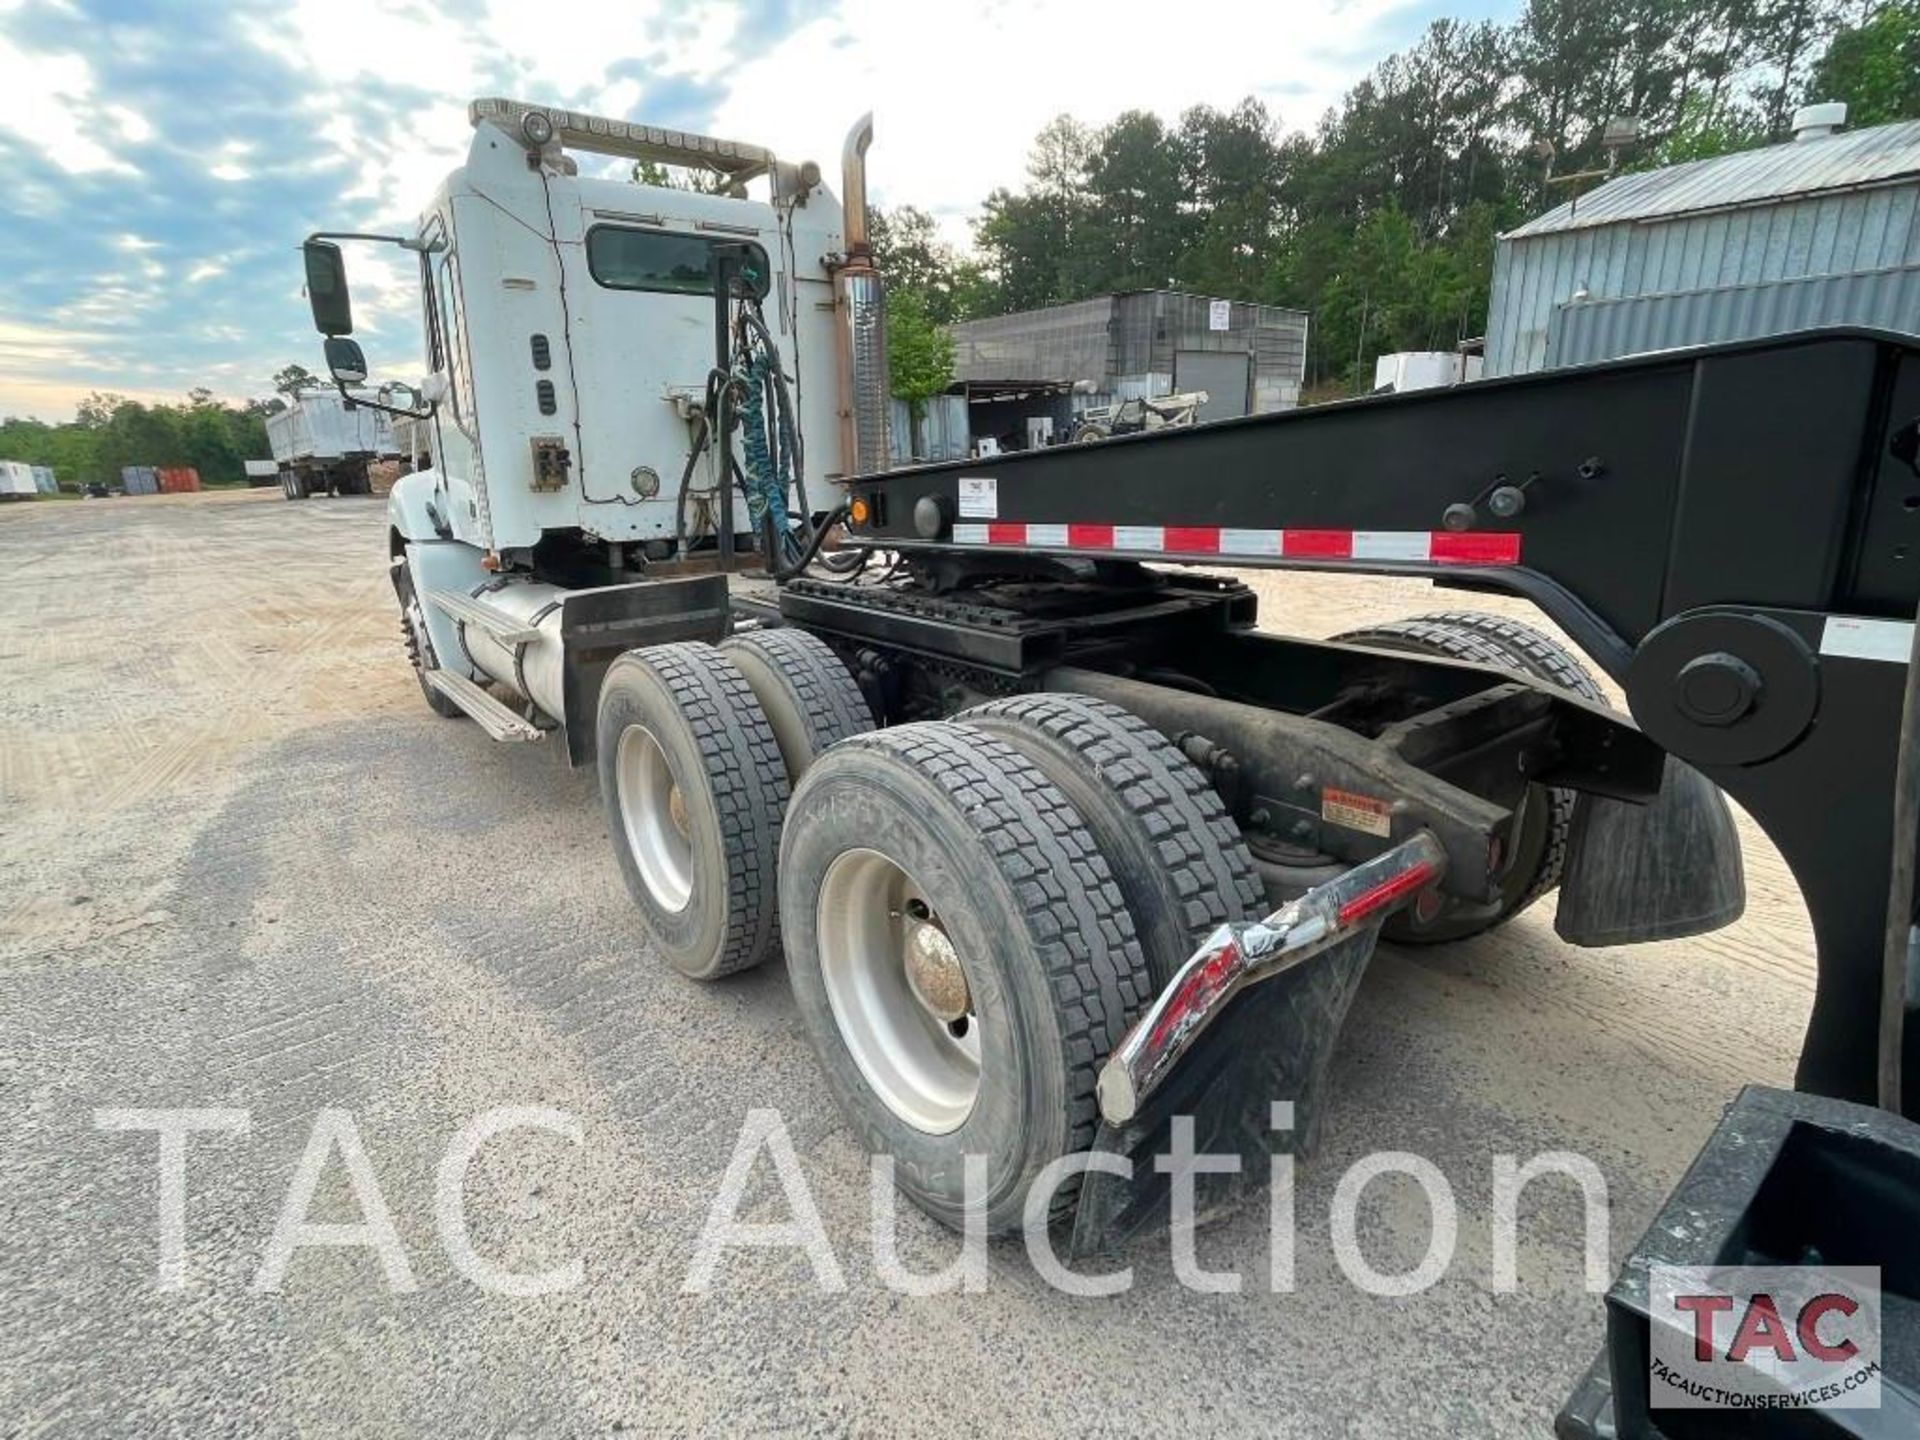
x=418 y=642
x=695 y=790
x=1546 y=816
x=961 y=957
x=807 y=694
x=1531 y=650
x=1179 y=859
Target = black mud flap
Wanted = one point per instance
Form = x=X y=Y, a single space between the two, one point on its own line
x=597 y=626
x=1786 y=1179
x=1272 y=1043
x=1659 y=871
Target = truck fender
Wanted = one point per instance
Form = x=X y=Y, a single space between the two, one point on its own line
x=413 y=514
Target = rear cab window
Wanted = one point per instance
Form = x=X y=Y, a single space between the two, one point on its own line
x=666 y=262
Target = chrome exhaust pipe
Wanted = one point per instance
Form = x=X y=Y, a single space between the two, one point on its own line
x=853 y=185
x=860 y=298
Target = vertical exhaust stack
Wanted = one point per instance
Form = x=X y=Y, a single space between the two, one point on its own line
x=865 y=395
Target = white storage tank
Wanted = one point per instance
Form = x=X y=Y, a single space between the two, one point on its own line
x=1423 y=369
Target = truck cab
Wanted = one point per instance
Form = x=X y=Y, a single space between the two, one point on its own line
x=625 y=383
x=570 y=327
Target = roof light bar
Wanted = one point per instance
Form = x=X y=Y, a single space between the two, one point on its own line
x=599 y=135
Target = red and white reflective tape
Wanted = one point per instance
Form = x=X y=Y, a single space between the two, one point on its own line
x=1429 y=547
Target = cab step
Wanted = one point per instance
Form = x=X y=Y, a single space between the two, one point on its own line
x=493 y=717
x=470 y=610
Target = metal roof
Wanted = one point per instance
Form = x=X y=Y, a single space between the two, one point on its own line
x=1799 y=167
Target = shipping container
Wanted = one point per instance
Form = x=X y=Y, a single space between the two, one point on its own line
x=178 y=479
x=16 y=481
x=263 y=472
x=139 y=480
x=44 y=481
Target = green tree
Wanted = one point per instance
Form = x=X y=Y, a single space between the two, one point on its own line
x=1135 y=227
x=911 y=255
x=295 y=380
x=1873 y=66
x=919 y=352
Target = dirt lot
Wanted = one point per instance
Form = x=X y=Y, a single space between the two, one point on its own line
x=249 y=869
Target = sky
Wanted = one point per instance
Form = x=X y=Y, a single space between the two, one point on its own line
x=165 y=159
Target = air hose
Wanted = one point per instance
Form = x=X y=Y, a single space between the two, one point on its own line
x=770 y=444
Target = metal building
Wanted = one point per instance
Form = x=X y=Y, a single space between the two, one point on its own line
x=1248 y=358
x=1820 y=230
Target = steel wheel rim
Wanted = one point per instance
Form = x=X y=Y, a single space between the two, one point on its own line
x=925 y=1070
x=658 y=835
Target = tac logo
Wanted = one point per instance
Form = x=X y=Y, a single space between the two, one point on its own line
x=1765 y=1337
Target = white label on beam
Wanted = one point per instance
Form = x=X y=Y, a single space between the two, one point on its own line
x=979 y=497
x=1391 y=545
x=1859 y=639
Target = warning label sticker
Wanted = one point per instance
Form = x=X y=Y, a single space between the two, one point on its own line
x=1356 y=812
x=979 y=497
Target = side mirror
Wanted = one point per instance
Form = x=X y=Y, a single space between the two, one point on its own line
x=345 y=360
x=399 y=395
x=327 y=288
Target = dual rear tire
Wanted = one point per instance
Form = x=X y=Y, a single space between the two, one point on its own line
x=698 y=748
x=972 y=911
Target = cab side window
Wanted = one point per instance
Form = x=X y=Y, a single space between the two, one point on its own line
x=447 y=300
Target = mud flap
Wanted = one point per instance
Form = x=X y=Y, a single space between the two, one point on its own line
x=1660 y=871
x=1273 y=1042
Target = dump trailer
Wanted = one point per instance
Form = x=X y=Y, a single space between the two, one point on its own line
x=1059 y=847
x=323 y=442
x=16 y=481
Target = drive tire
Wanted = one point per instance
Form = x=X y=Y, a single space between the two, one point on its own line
x=807 y=694
x=702 y=876
x=418 y=643
x=1547 y=819
x=1053 y=974
x=1181 y=863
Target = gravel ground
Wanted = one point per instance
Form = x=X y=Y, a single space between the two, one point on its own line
x=249 y=869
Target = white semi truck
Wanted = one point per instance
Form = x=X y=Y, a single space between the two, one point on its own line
x=323 y=442
x=1057 y=845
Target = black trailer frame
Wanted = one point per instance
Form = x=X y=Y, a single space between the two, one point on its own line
x=1732 y=533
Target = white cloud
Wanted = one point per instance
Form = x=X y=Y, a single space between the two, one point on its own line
x=47 y=101
x=958 y=96
x=958 y=100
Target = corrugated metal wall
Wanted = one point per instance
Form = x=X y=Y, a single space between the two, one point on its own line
x=1591 y=330
x=943 y=430
x=1726 y=255
x=1062 y=342
x=1117 y=344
